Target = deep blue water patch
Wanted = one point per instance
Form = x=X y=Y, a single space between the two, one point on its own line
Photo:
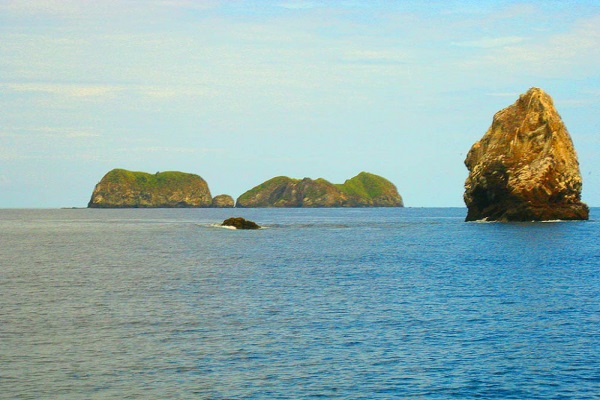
x=323 y=303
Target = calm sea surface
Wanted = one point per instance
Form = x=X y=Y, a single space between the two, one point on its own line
x=329 y=303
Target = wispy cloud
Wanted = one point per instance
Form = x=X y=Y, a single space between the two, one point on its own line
x=84 y=9
x=48 y=132
x=74 y=92
x=490 y=42
x=69 y=90
x=159 y=92
x=299 y=5
x=40 y=7
x=189 y=4
x=12 y=155
x=372 y=57
x=49 y=143
x=572 y=53
x=171 y=149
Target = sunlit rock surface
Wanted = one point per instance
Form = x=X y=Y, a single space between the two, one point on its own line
x=525 y=167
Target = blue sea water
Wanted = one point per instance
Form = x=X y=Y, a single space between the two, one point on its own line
x=323 y=303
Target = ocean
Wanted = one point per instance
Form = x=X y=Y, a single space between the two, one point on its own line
x=322 y=303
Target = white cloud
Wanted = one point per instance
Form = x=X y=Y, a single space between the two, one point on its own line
x=78 y=9
x=11 y=155
x=28 y=133
x=376 y=57
x=189 y=4
x=67 y=133
x=166 y=92
x=160 y=149
x=490 y=42
x=573 y=53
x=514 y=11
x=75 y=92
x=299 y=5
x=68 y=90
x=49 y=143
x=40 y=6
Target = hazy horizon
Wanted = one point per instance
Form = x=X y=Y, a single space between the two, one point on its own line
x=241 y=91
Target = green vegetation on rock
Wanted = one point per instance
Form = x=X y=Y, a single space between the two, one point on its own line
x=223 y=201
x=364 y=190
x=371 y=189
x=121 y=188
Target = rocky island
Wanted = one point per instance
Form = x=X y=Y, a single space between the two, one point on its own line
x=525 y=167
x=364 y=190
x=121 y=188
x=223 y=201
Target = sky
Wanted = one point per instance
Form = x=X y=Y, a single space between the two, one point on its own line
x=241 y=91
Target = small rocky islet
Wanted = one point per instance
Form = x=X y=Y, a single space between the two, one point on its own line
x=222 y=201
x=240 y=223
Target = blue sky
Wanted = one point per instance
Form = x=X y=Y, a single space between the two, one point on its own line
x=242 y=91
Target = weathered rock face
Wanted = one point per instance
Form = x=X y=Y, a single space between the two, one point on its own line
x=223 y=201
x=240 y=223
x=364 y=190
x=127 y=189
x=525 y=167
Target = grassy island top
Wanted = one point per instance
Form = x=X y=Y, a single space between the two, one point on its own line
x=366 y=185
x=163 y=180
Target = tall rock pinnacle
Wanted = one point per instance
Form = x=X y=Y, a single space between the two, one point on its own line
x=525 y=167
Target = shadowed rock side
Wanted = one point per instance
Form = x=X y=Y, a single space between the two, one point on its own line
x=364 y=190
x=525 y=167
x=127 y=189
x=223 y=201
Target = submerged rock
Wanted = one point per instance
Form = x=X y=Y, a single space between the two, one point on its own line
x=364 y=190
x=222 y=201
x=120 y=188
x=525 y=167
x=240 y=223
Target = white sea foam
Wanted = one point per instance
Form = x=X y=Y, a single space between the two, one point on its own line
x=484 y=221
x=223 y=226
x=231 y=227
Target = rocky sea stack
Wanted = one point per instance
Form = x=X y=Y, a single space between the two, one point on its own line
x=127 y=189
x=525 y=167
x=364 y=190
